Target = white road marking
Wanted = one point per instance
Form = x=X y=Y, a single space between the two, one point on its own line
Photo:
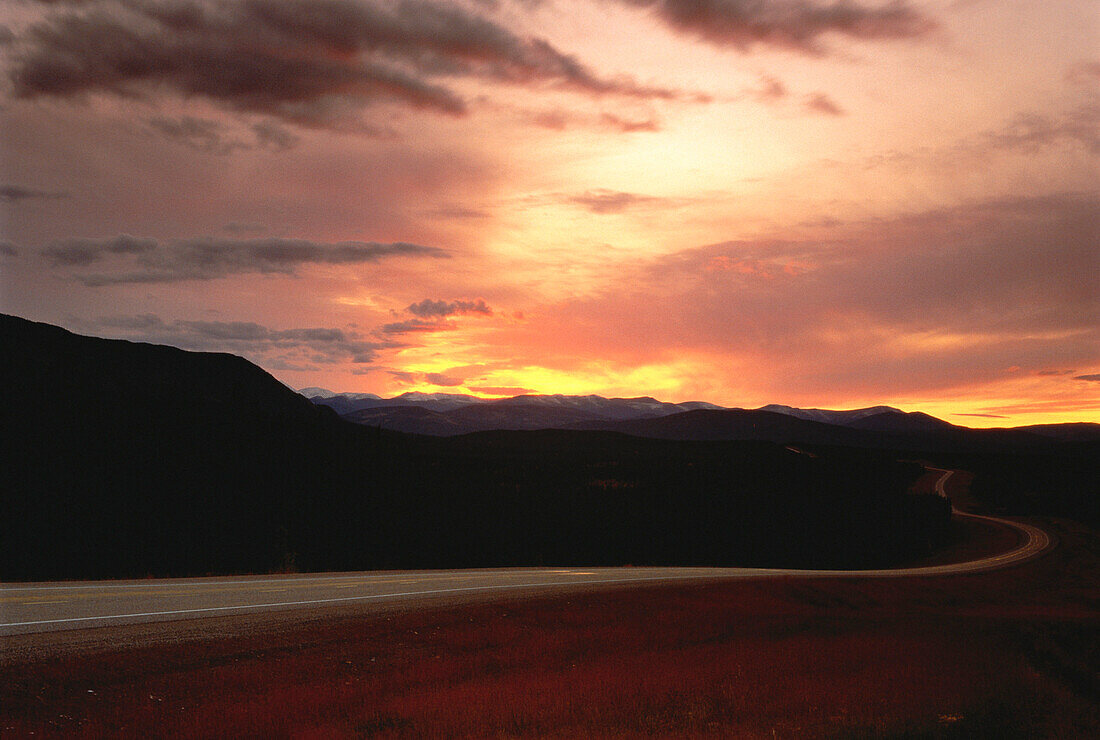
x=177 y=582
x=361 y=598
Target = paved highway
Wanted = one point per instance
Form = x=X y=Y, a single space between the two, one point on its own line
x=43 y=607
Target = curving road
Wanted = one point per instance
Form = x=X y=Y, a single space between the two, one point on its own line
x=44 y=607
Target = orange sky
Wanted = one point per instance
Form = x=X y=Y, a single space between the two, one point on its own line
x=810 y=203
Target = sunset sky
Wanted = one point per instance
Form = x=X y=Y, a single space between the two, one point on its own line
x=829 y=203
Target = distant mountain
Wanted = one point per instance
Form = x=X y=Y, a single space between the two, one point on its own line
x=518 y=412
x=876 y=427
x=643 y=407
x=844 y=418
x=346 y=403
x=314 y=392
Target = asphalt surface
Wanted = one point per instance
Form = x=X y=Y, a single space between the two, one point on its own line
x=29 y=608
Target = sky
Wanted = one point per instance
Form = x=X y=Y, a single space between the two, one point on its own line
x=819 y=203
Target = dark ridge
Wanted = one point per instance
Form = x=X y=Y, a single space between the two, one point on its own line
x=123 y=459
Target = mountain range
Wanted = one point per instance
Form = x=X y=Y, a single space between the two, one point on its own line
x=443 y=414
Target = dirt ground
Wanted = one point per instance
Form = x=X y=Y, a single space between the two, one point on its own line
x=1011 y=653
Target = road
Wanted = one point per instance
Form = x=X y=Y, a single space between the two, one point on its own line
x=45 y=607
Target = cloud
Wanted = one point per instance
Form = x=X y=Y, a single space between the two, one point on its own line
x=214 y=137
x=428 y=308
x=413 y=326
x=609 y=201
x=283 y=348
x=799 y=25
x=310 y=62
x=1083 y=73
x=1033 y=131
x=1095 y=377
x=270 y=135
x=16 y=193
x=198 y=133
x=7 y=249
x=430 y=316
x=983 y=416
x=243 y=227
x=558 y=119
x=822 y=104
x=771 y=89
x=627 y=125
x=441 y=379
x=925 y=301
x=138 y=260
x=501 y=390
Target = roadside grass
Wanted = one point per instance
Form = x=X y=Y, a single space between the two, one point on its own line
x=1011 y=653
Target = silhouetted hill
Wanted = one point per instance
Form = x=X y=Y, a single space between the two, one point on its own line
x=410 y=419
x=893 y=430
x=894 y=421
x=738 y=424
x=101 y=380
x=123 y=457
x=128 y=459
x=1073 y=432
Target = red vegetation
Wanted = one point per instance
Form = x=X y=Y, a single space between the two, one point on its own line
x=1010 y=653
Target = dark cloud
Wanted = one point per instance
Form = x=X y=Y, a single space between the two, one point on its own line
x=270 y=135
x=983 y=416
x=428 y=308
x=16 y=193
x=801 y=25
x=198 y=133
x=150 y=261
x=7 y=249
x=1095 y=377
x=822 y=104
x=82 y=252
x=311 y=62
x=215 y=137
x=240 y=227
x=282 y=348
x=441 y=379
x=414 y=326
